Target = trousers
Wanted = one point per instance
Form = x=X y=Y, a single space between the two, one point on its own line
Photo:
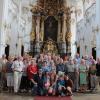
x=17 y=80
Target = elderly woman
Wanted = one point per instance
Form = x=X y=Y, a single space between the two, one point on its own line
x=68 y=85
x=83 y=75
x=32 y=71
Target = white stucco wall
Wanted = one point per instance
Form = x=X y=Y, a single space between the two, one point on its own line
x=85 y=28
x=3 y=25
x=73 y=32
x=15 y=25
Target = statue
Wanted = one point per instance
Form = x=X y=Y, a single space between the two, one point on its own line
x=50 y=46
x=32 y=35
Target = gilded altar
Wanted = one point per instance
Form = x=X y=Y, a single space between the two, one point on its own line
x=51 y=26
x=50 y=47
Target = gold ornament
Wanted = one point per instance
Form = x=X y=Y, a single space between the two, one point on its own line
x=32 y=36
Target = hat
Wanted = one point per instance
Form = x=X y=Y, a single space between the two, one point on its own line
x=60 y=73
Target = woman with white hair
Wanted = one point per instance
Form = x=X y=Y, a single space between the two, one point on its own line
x=83 y=75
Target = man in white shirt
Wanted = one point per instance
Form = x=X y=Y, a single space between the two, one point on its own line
x=17 y=67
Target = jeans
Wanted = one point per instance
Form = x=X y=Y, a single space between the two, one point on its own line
x=93 y=80
x=34 y=89
x=40 y=91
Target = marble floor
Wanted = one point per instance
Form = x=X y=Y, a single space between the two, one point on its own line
x=7 y=96
x=76 y=96
x=87 y=97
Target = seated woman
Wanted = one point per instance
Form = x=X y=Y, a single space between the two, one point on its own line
x=53 y=80
x=46 y=82
x=68 y=85
x=61 y=85
x=32 y=75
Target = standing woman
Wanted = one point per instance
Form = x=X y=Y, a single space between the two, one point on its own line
x=9 y=73
x=83 y=76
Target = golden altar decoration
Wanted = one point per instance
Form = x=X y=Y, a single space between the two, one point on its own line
x=50 y=47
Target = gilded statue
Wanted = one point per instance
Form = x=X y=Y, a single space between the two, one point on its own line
x=68 y=36
x=50 y=47
x=61 y=37
x=32 y=35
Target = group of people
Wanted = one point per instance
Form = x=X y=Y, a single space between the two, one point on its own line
x=49 y=74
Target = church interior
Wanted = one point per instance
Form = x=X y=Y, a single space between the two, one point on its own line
x=50 y=42
x=64 y=27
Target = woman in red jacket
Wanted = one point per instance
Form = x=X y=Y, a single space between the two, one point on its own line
x=32 y=74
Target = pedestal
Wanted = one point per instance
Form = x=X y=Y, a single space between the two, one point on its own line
x=37 y=48
x=69 y=49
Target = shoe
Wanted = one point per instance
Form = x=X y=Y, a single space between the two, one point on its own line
x=62 y=94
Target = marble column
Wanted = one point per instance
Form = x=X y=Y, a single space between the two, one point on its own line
x=64 y=34
x=62 y=40
x=37 y=46
x=19 y=30
x=42 y=29
x=33 y=28
x=73 y=32
x=59 y=30
x=64 y=27
x=98 y=28
x=3 y=18
x=37 y=28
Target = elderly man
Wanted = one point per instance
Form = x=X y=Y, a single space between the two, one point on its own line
x=17 y=67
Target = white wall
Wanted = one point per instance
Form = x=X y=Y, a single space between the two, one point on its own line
x=17 y=24
x=73 y=32
x=3 y=25
x=85 y=28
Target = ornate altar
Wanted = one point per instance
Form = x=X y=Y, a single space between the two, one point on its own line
x=50 y=47
x=52 y=35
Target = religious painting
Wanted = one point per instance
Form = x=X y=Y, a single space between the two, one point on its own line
x=50 y=28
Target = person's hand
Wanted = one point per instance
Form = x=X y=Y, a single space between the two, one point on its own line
x=35 y=83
